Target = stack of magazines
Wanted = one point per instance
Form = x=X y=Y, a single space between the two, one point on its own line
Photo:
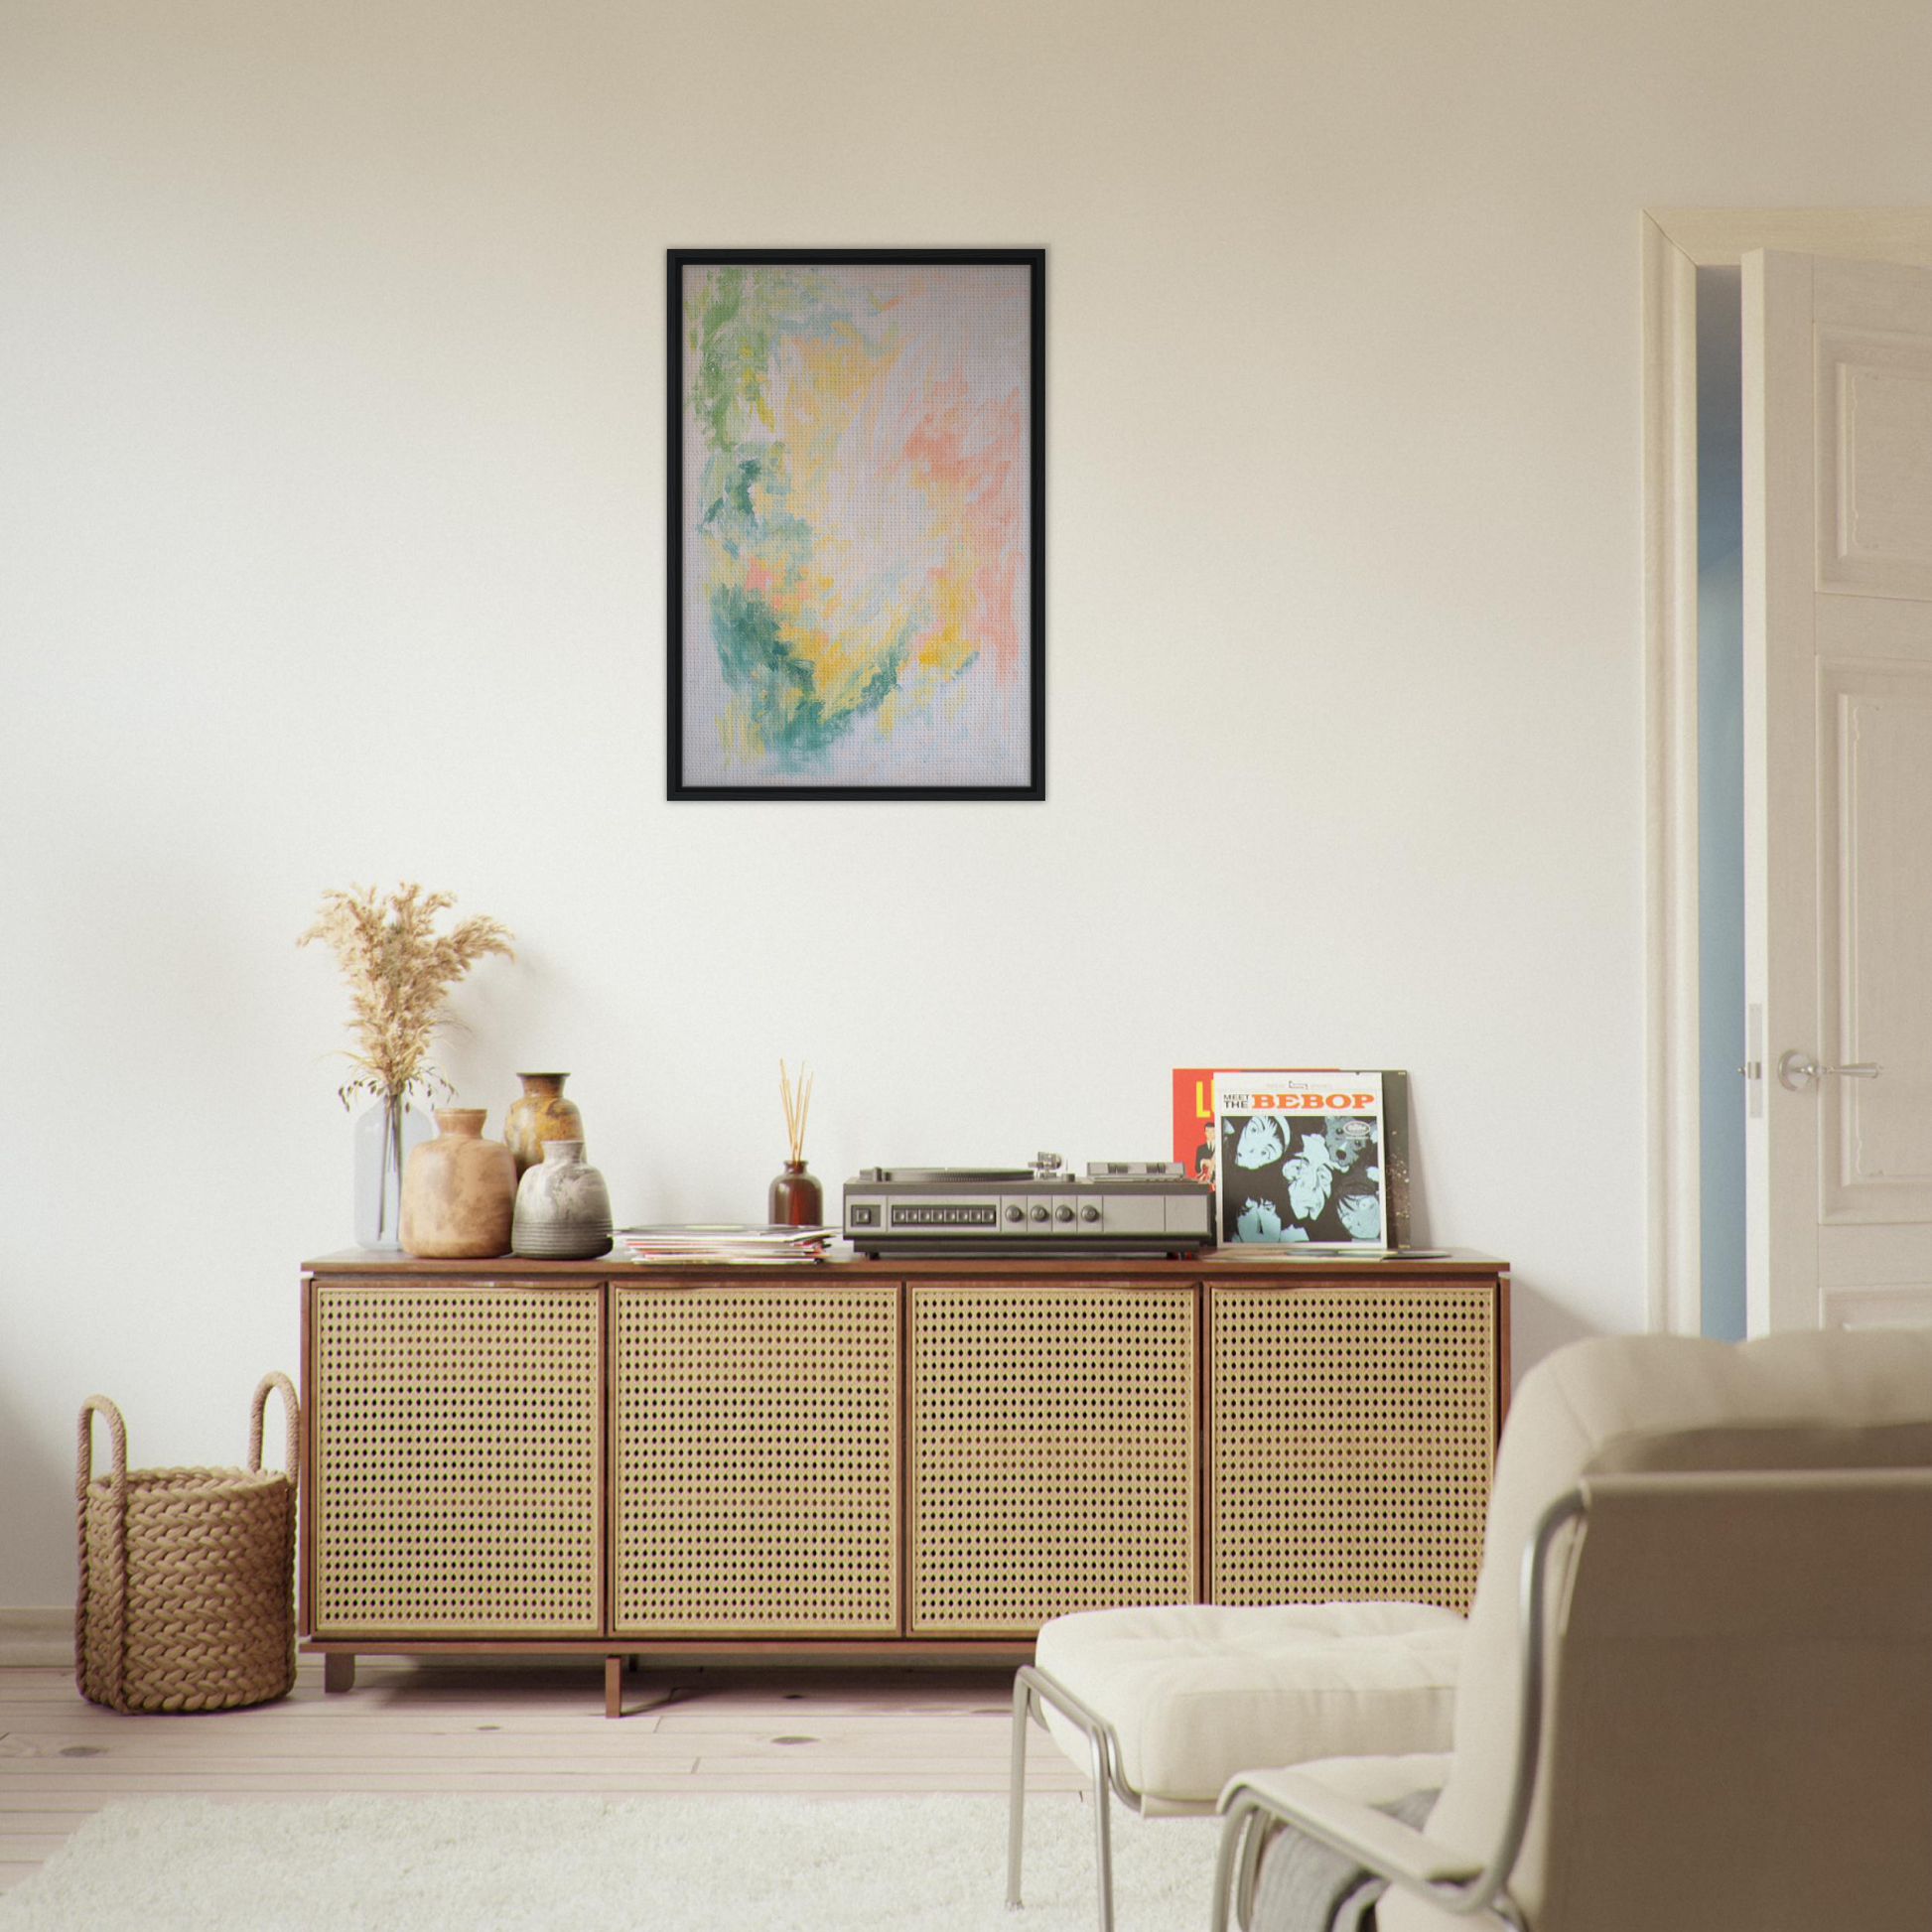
x=699 y=1241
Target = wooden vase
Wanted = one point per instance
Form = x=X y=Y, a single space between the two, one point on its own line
x=459 y=1190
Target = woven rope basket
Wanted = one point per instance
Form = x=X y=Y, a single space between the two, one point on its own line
x=186 y=1576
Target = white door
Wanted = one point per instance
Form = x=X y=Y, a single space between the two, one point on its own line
x=1838 y=782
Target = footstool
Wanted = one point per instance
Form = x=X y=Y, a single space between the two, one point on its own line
x=1163 y=1706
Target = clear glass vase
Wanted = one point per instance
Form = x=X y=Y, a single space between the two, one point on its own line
x=384 y=1135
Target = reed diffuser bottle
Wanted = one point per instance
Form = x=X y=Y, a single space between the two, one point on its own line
x=795 y=1199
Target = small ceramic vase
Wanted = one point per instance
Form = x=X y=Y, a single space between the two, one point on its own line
x=458 y=1191
x=540 y=1114
x=563 y=1208
x=795 y=1199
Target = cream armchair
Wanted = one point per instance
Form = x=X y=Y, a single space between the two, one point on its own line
x=1697 y=1684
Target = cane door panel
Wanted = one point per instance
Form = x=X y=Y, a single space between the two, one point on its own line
x=755 y=1449
x=1053 y=1463
x=1351 y=1439
x=457 y=1460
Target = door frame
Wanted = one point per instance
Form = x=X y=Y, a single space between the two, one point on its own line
x=1675 y=243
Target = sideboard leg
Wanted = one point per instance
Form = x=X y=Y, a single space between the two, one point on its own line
x=339 y=1670
x=614 y=1687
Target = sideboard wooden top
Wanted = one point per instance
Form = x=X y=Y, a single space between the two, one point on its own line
x=1221 y=1265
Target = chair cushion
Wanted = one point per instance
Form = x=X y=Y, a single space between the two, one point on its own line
x=1199 y=1691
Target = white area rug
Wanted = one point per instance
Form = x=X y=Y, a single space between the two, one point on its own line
x=764 y=1864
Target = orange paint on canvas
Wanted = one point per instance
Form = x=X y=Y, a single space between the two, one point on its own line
x=965 y=456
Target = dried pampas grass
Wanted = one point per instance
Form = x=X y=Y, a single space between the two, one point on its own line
x=398 y=969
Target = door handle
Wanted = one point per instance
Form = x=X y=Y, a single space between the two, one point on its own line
x=1797 y=1070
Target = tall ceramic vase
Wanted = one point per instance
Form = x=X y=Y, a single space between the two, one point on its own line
x=384 y=1135
x=540 y=1113
x=459 y=1190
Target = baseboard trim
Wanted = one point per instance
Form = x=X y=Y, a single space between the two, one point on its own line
x=39 y=1635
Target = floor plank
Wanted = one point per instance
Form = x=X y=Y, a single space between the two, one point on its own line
x=510 y=1729
x=60 y=1754
x=27 y=1848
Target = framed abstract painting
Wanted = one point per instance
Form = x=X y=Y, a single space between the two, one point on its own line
x=856 y=523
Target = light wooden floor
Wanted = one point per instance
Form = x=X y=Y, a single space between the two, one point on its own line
x=509 y=1729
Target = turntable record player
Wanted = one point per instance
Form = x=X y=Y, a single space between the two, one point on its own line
x=1117 y=1207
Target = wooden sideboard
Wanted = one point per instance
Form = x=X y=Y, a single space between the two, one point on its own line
x=880 y=1460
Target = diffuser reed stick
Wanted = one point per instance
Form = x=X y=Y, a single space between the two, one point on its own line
x=797 y=1104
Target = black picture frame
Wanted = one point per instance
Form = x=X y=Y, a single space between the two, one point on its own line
x=681 y=784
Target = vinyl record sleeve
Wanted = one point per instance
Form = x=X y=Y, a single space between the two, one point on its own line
x=1197 y=1146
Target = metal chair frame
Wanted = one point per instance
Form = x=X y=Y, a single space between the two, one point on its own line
x=1253 y=1816
x=1033 y=1688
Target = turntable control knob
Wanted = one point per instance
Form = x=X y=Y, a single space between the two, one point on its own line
x=1063 y=1213
x=1015 y=1213
x=1039 y=1214
x=1089 y=1212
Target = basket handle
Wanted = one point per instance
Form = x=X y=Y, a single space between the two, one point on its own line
x=112 y=1639
x=117 y=1433
x=291 y=1409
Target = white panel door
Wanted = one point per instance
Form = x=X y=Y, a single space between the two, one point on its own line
x=1837 y=777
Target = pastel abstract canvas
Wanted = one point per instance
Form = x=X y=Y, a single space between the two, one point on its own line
x=855 y=568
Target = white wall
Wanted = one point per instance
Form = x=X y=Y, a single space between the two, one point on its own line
x=331 y=451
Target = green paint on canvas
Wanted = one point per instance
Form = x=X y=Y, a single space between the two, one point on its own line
x=797 y=723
